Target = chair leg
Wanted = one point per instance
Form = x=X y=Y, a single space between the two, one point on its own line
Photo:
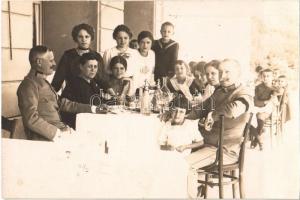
x=221 y=194
x=271 y=133
x=205 y=186
x=241 y=186
x=233 y=185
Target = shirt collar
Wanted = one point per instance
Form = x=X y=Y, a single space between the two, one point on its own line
x=229 y=88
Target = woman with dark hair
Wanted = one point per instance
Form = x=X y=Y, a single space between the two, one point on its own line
x=68 y=66
x=199 y=74
x=120 y=86
x=146 y=60
x=84 y=88
x=122 y=35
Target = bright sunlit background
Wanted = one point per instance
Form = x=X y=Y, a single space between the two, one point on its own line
x=253 y=32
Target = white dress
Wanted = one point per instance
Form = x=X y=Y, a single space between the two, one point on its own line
x=144 y=69
x=131 y=56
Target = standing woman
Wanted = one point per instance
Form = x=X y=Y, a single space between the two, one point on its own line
x=122 y=35
x=68 y=67
x=146 y=62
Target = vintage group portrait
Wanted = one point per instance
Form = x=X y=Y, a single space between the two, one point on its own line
x=157 y=99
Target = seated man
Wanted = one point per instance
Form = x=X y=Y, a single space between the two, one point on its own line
x=233 y=101
x=38 y=102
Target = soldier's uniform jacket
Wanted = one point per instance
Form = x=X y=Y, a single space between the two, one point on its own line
x=40 y=105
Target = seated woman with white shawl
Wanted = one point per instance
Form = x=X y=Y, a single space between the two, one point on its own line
x=183 y=86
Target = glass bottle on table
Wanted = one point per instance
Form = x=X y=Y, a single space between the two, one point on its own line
x=145 y=100
x=166 y=94
x=157 y=99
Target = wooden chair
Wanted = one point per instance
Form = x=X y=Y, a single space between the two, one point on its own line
x=275 y=122
x=219 y=171
x=8 y=125
x=13 y=128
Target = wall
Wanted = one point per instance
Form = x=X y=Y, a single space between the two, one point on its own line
x=16 y=67
x=59 y=18
x=207 y=30
x=111 y=14
x=139 y=16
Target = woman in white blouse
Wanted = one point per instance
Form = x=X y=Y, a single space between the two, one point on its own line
x=146 y=60
x=122 y=35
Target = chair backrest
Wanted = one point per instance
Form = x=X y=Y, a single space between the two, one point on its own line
x=220 y=149
x=241 y=157
x=243 y=144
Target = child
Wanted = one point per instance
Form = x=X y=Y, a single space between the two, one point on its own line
x=120 y=86
x=283 y=98
x=265 y=100
x=258 y=70
x=83 y=88
x=183 y=86
x=122 y=35
x=166 y=52
x=199 y=74
x=134 y=44
x=192 y=65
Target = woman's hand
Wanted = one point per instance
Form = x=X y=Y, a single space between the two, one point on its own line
x=128 y=83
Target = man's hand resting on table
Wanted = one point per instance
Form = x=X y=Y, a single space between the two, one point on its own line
x=62 y=133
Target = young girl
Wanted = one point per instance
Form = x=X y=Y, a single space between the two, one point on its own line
x=68 y=66
x=84 y=88
x=199 y=74
x=146 y=61
x=212 y=76
x=120 y=86
x=122 y=35
x=183 y=85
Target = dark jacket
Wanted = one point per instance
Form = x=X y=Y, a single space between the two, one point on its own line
x=68 y=68
x=81 y=91
x=262 y=93
x=165 y=58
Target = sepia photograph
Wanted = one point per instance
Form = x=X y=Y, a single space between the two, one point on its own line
x=157 y=99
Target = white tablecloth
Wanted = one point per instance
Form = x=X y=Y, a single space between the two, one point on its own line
x=78 y=167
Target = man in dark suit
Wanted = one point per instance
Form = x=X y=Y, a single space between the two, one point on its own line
x=38 y=102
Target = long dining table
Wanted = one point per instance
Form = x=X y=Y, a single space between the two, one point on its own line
x=109 y=156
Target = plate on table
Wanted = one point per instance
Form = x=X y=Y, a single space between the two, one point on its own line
x=116 y=109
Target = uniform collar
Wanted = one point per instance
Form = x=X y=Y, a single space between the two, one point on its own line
x=37 y=74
